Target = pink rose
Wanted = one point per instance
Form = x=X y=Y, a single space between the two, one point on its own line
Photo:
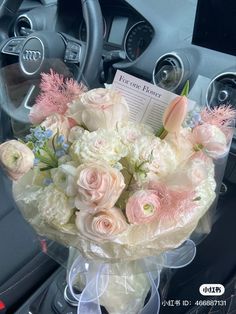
x=143 y=207
x=16 y=158
x=210 y=139
x=99 y=108
x=98 y=186
x=103 y=225
x=57 y=123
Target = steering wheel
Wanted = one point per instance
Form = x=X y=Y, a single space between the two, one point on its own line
x=36 y=51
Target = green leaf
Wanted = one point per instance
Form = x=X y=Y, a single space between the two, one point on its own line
x=185 y=90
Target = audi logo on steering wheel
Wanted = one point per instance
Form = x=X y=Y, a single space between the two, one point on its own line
x=32 y=55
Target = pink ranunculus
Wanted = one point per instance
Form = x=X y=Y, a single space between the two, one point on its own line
x=98 y=186
x=99 y=108
x=210 y=139
x=16 y=158
x=57 y=123
x=101 y=226
x=143 y=207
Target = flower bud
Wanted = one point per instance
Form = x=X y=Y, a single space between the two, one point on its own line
x=175 y=113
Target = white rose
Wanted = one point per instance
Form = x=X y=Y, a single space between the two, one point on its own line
x=54 y=206
x=99 y=108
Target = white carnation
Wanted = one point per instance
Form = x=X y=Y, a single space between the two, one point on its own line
x=151 y=156
x=101 y=145
x=54 y=206
x=130 y=132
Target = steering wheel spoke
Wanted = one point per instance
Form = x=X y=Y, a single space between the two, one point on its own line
x=13 y=46
x=41 y=51
x=73 y=52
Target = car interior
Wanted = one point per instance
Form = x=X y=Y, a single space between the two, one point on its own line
x=164 y=42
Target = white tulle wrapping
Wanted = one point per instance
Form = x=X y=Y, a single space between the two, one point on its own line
x=123 y=287
x=137 y=242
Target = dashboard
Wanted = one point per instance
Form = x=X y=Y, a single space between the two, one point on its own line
x=124 y=28
x=164 y=42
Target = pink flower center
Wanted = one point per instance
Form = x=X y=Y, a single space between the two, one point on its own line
x=92 y=178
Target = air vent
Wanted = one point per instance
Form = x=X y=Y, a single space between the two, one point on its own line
x=23 y=26
x=169 y=72
x=222 y=90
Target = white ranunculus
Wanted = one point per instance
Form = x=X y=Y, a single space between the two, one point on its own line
x=101 y=145
x=54 y=206
x=16 y=159
x=64 y=178
x=99 y=108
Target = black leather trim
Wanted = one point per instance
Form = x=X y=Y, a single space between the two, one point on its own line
x=23 y=283
x=94 y=24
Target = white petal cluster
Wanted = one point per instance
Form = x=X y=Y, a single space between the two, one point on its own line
x=54 y=206
x=101 y=145
x=131 y=132
x=64 y=179
x=149 y=156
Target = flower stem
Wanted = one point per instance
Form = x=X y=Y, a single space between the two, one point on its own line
x=47 y=161
x=130 y=181
x=50 y=153
x=161 y=133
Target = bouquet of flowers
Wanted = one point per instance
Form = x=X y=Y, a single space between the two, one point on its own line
x=90 y=179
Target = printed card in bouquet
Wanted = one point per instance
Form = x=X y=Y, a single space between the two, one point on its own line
x=122 y=176
x=147 y=102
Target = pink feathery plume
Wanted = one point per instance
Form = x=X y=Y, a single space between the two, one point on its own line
x=173 y=203
x=56 y=93
x=220 y=116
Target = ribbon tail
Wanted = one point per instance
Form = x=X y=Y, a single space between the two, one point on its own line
x=90 y=305
x=88 y=308
x=181 y=256
x=153 y=304
x=96 y=278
